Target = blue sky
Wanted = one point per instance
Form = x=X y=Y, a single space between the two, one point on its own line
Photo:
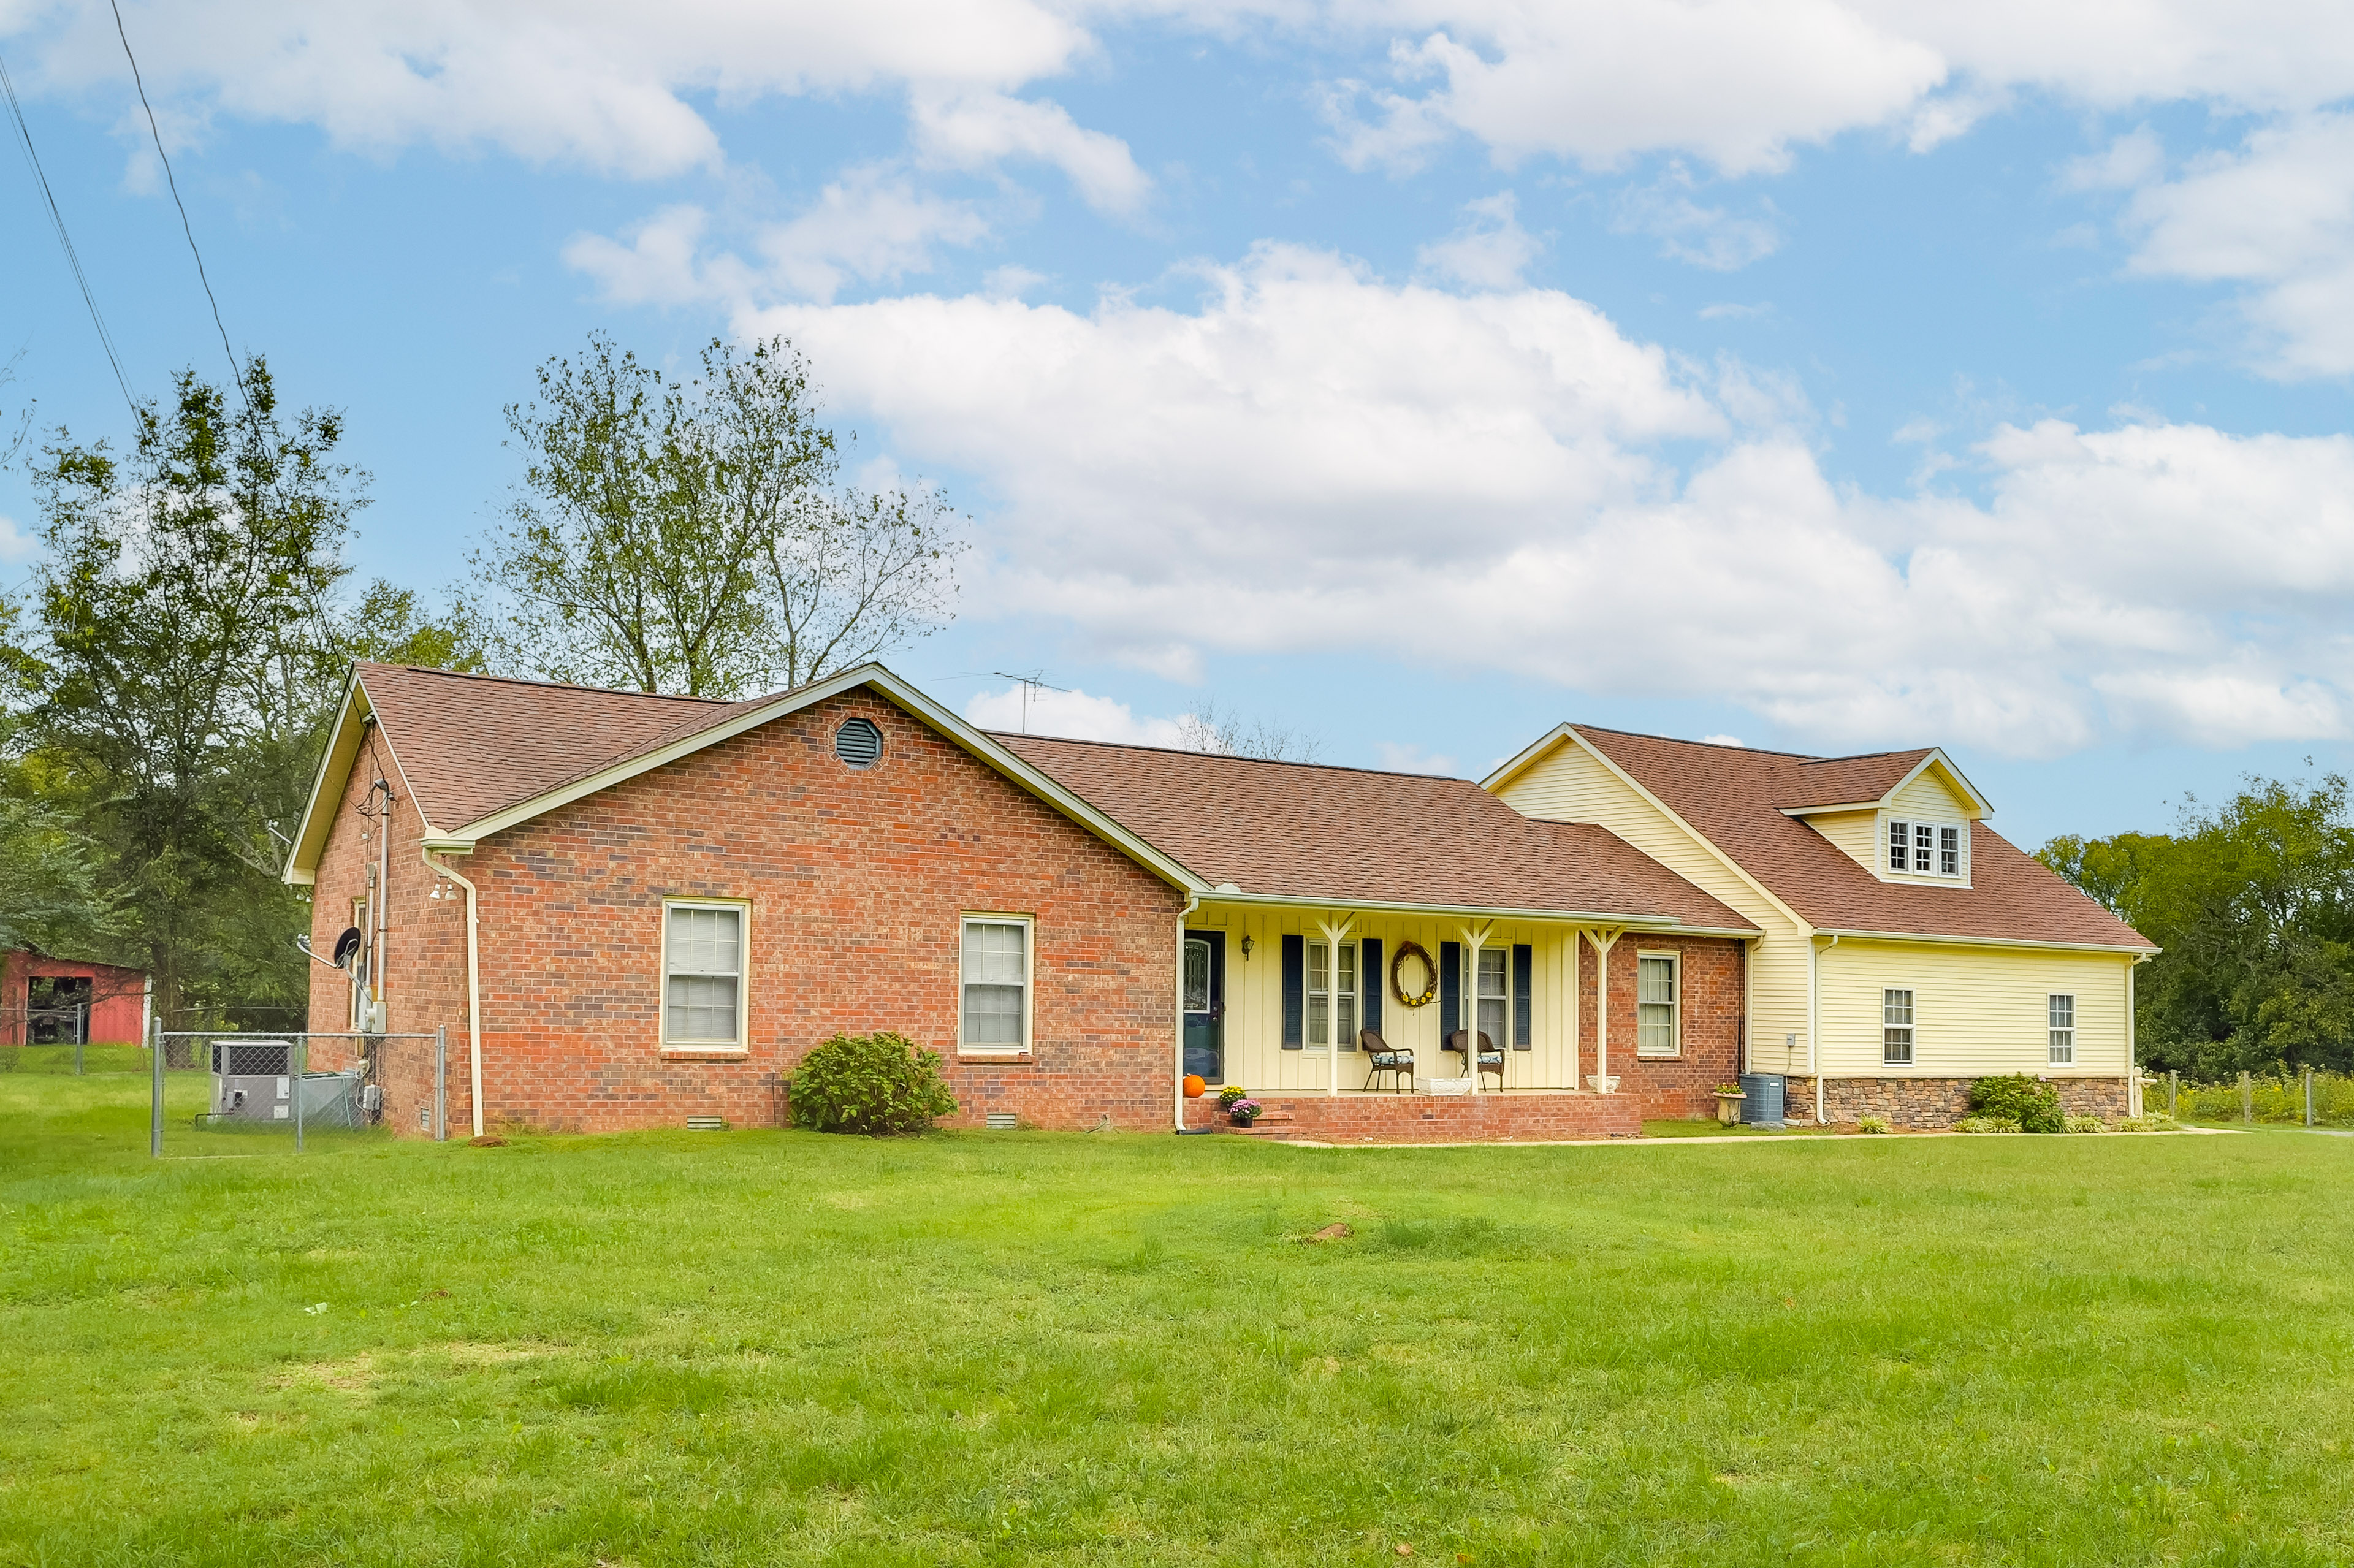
x=1830 y=376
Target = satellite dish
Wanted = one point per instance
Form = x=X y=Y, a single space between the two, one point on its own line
x=347 y=946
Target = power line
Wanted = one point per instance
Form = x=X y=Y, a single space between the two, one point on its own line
x=65 y=240
x=185 y=227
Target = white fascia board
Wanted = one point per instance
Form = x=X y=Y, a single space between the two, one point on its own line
x=1659 y=925
x=1524 y=758
x=905 y=696
x=301 y=869
x=1802 y=812
x=2117 y=949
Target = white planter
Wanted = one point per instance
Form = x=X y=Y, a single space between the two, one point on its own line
x=1444 y=1085
x=1602 y=1086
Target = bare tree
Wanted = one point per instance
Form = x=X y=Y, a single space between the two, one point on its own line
x=1228 y=733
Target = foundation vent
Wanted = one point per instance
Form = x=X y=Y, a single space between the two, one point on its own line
x=1003 y=1121
x=706 y=1124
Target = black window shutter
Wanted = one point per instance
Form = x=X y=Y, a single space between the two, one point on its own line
x=1450 y=990
x=1295 y=992
x=1370 y=979
x=1524 y=990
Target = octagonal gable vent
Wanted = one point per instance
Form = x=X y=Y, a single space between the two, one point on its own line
x=858 y=743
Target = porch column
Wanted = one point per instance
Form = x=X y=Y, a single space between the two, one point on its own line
x=1333 y=937
x=1472 y=942
x=1604 y=939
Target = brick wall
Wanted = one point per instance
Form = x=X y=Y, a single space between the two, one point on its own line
x=855 y=880
x=1434 y=1118
x=1682 y=1086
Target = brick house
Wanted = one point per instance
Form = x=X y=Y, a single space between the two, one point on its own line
x=627 y=910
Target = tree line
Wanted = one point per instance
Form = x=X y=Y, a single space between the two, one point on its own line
x=2253 y=901
x=168 y=675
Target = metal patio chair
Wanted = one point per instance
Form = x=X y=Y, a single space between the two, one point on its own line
x=1491 y=1059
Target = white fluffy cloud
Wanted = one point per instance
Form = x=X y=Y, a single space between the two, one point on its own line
x=2277 y=215
x=1073 y=714
x=872 y=226
x=1488 y=251
x=1316 y=459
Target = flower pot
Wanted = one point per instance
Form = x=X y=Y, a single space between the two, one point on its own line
x=1243 y=1120
x=1728 y=1108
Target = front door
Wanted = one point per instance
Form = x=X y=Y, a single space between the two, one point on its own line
x=1204 y=982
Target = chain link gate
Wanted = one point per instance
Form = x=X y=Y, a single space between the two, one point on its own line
x=268 y=1084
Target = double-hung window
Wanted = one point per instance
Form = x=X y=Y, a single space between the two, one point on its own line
x=702 y=974
x=996 y=985
x=1897 y=1028
x=1656 y=1005
x=2060 y=1015
x=1495 y=997
x=1332 y=995
x=1931 y=849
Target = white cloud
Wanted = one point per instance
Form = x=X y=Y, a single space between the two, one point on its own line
x=1409 y=757
x=1490 y=251
x=1707 y=236
x=2277 y=215
x=870 y=226
x=1313 y=460
x=1720 y=741
x=2133 y=159
x=977 y=130
x=1072 y=714
x=15 y=544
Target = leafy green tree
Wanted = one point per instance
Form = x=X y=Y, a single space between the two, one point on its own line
x=2253 y=902
x=694 y=536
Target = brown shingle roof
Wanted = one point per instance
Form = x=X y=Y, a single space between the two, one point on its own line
x=1734 y=797
x=1345 y=835
x=472 y=744
x=1849 y=780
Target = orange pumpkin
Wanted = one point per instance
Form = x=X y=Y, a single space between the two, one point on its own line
x=1194 y=1086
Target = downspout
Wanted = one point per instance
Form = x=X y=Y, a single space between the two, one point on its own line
x=380 y=1017
x=1814 y=1019
x=1177 y=992
x=473 y=990
x=2133 y=1052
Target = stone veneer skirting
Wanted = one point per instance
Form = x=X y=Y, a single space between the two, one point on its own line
x=1436 y=1119
x=1937 y=1102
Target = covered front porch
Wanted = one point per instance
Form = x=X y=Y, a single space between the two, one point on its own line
x=1298 y=1003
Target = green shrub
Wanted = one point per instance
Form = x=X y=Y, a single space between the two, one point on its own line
x=1986 y=1124
x=2086 y=1124
x=2155 y=1121
x=1871 y=1124
x=880 y=1083
x=2033 y=1103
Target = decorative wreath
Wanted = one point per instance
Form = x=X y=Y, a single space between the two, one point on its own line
x=1430 y=975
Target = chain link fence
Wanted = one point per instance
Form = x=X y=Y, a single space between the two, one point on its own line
x=2295 y=1100
x=297 y=1086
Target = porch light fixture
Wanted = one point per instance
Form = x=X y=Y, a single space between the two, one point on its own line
x=1247 y=947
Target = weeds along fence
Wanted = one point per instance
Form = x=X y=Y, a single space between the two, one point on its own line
x=249 y=1090
x=2276 y=1098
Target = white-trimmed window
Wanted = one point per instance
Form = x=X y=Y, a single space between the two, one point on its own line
x=1927 y=849
x=2060 y=1015
x=1897 y=1028
x=1658 y=1005
x=1331 y=996
x=995 y=1015
x=702 y=973
x=1496 y=996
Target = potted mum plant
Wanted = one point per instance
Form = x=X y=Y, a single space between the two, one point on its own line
x=1229 y=1094
x=1728 y=1103
x=1244 y=1111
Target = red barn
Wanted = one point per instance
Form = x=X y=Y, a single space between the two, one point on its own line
x=47 y=1001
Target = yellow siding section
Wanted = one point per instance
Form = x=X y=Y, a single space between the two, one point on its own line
x=1572 y=785
x=1975 y=1009
x=1927 y=796
x=1255 y=1056
x=1858 y=834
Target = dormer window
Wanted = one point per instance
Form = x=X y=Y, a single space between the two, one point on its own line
x=1924 y=849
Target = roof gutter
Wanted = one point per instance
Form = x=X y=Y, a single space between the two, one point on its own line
x=2117 y=949
x=1664 y=924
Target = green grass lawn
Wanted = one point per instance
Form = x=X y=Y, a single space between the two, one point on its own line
x=754 y=1347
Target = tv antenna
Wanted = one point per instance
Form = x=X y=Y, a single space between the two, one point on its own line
x=1031 y=685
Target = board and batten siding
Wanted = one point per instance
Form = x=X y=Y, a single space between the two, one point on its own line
x=1976 y=1010
x=1570 y=784
x=1255 y=1056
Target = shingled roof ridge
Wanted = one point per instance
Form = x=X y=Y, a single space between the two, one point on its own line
x=1710 y=744
x=549 y=685
x=1004 y=734
x=1871 y=756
